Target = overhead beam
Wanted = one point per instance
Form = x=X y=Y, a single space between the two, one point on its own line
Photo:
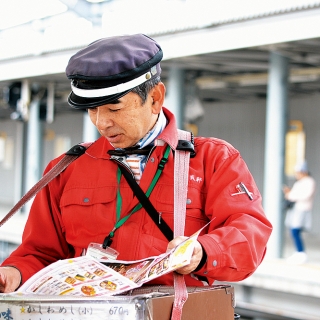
x=258 y=32
x=85 y=9
x=250 y=79
x=81 y=8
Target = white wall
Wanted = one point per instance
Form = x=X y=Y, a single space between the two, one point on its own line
x=62 y=134
x=243 y=125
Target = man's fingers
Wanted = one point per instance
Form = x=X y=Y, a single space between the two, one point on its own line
x=176 y=241
x=10 y=279
x=195 y=260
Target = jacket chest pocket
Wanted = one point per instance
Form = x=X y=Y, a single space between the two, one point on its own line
x=195 y=204
x=88 y=211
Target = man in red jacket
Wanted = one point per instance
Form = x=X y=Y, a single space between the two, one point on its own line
x=117 y=80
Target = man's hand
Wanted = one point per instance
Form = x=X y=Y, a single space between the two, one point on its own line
x=196 y=255
x=10 y=279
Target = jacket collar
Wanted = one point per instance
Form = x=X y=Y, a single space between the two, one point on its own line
x=170 y=134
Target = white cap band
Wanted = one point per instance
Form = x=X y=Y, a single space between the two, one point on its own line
x=96 y=93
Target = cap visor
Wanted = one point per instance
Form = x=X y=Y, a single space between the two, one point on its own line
x=81 y=103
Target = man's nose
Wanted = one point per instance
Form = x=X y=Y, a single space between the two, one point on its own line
x=103 y=119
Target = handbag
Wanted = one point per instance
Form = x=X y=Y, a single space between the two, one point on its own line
x=288 y=204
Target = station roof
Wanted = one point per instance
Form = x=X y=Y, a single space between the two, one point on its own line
x=224 y=46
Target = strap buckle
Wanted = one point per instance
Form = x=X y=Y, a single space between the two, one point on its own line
x=185 y=145
x=76 y=150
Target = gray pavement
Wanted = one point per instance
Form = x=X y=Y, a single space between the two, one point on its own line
x=312 y=247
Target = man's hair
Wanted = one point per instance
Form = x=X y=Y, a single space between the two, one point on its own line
x=143 y=89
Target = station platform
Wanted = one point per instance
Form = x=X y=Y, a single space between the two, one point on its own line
x=280 y=290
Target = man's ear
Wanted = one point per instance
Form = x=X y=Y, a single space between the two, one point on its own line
x=158 y=94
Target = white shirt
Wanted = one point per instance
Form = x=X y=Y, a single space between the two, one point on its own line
x=302 y=193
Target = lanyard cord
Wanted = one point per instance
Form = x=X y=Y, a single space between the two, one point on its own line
x=119 y=222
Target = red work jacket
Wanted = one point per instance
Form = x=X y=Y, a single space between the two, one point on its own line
x=79 y=207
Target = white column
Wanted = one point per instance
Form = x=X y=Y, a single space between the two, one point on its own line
x=175 y=94
x=90 y=132
x=18 y=162
x=33 y=150
x=276 y=118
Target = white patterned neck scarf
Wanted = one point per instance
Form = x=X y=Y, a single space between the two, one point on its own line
x=137 y=162
x=149 y=138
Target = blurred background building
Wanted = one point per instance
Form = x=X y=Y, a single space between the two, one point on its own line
x=246 y=71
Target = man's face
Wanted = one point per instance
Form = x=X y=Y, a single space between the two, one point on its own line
x=125 y=122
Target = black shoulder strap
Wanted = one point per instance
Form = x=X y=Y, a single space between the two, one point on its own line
x=71 y=155
x=145 y=202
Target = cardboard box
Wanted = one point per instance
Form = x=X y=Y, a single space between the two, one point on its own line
x=214 y=302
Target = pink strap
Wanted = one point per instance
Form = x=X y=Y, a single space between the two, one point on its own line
x=181 y=173
x=50 y=175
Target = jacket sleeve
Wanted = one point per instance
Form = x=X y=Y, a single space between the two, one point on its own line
x=43 y=239
x=235 y=243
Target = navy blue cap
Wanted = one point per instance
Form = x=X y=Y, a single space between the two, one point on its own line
x=109 y=68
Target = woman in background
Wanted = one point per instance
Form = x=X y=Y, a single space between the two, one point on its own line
x=299 y=217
